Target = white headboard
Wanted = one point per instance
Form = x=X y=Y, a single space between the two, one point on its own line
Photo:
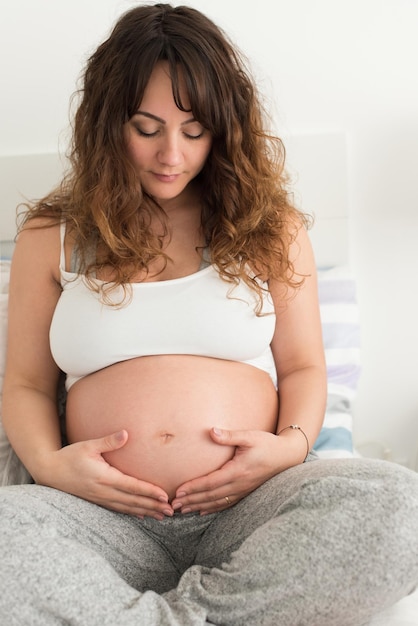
x=24 y=177
x=317 y=163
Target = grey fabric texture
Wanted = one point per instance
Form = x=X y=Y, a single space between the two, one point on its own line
x=327 y=543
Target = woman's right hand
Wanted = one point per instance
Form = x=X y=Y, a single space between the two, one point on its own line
x=81 y=470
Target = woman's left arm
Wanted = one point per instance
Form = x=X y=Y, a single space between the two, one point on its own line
x=300 y=362
x=299 y=354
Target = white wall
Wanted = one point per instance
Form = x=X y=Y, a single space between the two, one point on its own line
x=324 y=65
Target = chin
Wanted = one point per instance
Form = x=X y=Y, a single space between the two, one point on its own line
x=166 y=194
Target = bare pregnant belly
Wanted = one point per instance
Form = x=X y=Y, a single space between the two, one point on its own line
x=168 y=404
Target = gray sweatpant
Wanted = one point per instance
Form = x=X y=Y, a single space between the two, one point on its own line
x=324 y=543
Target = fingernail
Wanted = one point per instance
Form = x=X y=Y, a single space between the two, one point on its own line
x=181 y=494
x=186 y=510
x=217 y=432
x=163 y=499
x=168 y=512
x=177 y=506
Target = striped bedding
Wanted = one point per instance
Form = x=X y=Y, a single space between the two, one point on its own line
x=341 y=332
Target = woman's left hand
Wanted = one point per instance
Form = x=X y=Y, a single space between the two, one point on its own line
x=258 y=456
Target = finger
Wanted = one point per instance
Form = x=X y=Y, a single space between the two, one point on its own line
x=225 y=437
x=221 y=503
x=139 y=499
x=205 y=501
x=111 y=442
x=218 y=505
x=208 y=484
x=214 y=506
x=148 y=508
x=134 y=487
x=135 y=508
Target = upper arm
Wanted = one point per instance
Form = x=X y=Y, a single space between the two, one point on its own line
x=33 y=294
x=297 y=341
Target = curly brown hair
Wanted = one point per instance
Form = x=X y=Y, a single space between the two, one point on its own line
x=247 y=217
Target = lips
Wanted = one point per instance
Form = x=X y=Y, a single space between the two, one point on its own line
x=166 y=178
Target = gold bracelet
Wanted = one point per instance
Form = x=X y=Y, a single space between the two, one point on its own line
x=296 y=427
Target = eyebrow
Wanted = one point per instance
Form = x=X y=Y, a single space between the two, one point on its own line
x=160 y=119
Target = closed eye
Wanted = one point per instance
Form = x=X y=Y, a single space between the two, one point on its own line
x=144 y=134
x=190 y=136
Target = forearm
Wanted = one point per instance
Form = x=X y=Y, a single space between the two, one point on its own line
x=302 y=396
x=31 y=423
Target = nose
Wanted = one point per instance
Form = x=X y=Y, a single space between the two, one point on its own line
x=169 y=152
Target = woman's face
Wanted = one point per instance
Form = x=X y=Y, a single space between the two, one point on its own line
x=167 y=146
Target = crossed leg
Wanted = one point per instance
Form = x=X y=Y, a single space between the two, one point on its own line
x=325 y=543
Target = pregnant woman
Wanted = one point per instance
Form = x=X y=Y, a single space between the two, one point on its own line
x=172 y=281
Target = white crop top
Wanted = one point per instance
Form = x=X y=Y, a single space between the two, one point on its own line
x=191 y=315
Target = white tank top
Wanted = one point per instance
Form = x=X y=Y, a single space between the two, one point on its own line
x=196 y=315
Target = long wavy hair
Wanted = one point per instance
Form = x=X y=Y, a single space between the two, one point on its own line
x=247 y=218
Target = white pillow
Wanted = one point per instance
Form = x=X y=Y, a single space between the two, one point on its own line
x=12 y=471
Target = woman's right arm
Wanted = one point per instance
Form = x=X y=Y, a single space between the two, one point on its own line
x=31 y=378
x=30 y=415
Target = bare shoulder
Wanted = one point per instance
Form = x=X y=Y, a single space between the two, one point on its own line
x=301 y=252
x=302 y=270
x=38 y=247
x=297 y=340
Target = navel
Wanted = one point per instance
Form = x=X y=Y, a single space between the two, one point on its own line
x=166 y=437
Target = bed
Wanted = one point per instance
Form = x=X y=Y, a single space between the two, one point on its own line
x=317 y=164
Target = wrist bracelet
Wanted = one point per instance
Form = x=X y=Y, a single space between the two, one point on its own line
x=296 y=427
